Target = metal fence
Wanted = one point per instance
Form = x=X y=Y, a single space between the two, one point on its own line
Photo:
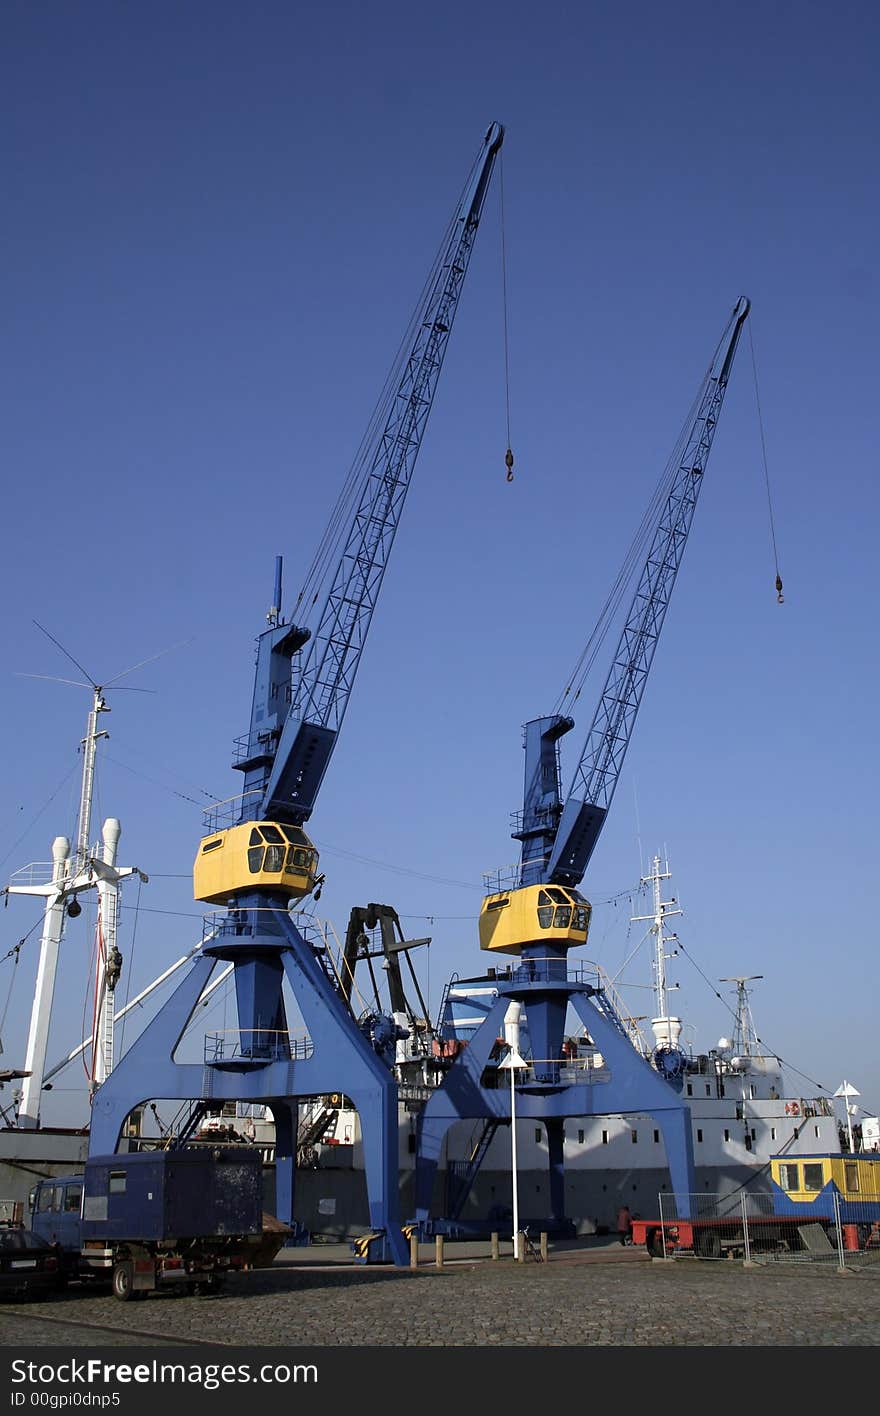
x=749 y=1227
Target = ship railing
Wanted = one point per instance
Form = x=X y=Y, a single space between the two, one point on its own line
x=413 y=1092
x=39 y=872
x=631 y=1024
x=256 y=1044
x=816 y=1106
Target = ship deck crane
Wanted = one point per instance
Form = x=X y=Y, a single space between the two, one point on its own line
x=256 y=860
x=539 y=914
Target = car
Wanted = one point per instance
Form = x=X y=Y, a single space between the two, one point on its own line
x=28 y=1265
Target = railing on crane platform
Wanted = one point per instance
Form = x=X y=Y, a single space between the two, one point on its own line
x=573 y=1068
x=256 y=1045
x=506 y=877
x=231 y=812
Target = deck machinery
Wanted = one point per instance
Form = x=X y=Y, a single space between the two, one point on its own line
x=539 y=915
x=256 y=861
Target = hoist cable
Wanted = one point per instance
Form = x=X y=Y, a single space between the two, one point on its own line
x=15 y=952
x=63 y=783
x=508 y=457
x=766 y=470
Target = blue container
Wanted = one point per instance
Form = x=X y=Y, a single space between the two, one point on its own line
x=166 y=1196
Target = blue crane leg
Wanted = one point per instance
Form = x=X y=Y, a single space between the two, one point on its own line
x=285 y=1118
x=556 y=1165
x=431 y=1131
x=377 y=1110
x=679 y=1142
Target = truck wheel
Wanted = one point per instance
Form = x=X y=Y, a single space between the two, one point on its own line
x=122 y=1282
x=708 y=1245
x=767 y=1240
x=654 y=1243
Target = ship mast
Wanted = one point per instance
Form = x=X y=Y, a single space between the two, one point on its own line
x=745 y=1039
x=70 y=875
x=90 y=749
x=667 y=1030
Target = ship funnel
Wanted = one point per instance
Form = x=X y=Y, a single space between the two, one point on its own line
x=666 y=1031
x=60 y=849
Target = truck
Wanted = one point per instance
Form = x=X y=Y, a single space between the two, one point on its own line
x=815 y=1203
x=149 y=1220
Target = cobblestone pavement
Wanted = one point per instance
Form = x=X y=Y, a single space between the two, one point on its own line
x=472 y=1302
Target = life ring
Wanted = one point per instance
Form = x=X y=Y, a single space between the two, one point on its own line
x=792 y=1108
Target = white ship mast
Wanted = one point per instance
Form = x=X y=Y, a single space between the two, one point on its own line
x=745 y=1039
x=666 y=1029
x=71 y=875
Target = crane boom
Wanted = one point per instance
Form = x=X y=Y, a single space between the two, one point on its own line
x=324 y=686
x=598 y=771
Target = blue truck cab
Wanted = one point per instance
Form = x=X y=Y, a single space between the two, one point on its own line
x=56 y=1210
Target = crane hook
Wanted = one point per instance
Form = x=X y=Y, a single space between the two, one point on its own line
x=508 y=462
x=780 y=598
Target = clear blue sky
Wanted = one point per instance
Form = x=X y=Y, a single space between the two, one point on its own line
x=218 y=217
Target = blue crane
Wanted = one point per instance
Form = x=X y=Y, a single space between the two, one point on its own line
x=256 y=860
x=538 y=914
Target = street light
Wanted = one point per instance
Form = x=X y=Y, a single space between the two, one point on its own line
x=846 y=1090
x=512 y=1063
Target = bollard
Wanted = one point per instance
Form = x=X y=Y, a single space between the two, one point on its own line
x=438 y=1250
x=496 y=1248
x=414 y=1249
x=544 y=1245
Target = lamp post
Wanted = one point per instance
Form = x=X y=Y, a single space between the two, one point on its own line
x=512 y=1062
x=846 y=1090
